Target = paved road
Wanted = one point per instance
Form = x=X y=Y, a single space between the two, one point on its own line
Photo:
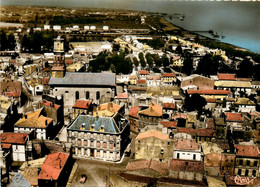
x=97 y=172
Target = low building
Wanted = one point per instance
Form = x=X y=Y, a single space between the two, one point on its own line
x=235 y=86
x=197 y=82
x=212 y=94
x=187 y=150
x=108 y=110
x=143 y=74
x=101 y=138
x=55 y=170
x=12 y=89
x=245 y=105
x=154 y=145
x=186 y=169
x=81 y=106
x=168 y=78
x=36 y=123
x=132 y=80
x=247 y=161
x=18 y=142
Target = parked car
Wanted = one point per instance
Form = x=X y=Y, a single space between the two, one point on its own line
x=83 y=178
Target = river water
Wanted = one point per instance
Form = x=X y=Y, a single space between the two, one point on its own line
x=239 y=22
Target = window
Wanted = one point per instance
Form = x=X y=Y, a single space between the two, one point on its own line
x=254 y=173
x=194 y=157
x=87 y=94
x=248 y=162
x=178 y=155
x=246 y=173
x=239 y=172
x=76 y=95
x=240 y=162
x=97 y=95
x=162 y=151
x=255 y=163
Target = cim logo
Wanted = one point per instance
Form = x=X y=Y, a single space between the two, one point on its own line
x=243 y=180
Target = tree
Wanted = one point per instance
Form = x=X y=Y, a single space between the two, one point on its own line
x=142 y=61
x=157 y=60
x=3 y=42
x=246 y=69
x=208 y=65
x=165 y=61
x=187 y=65
x=136 y=62
x=149 y=60
x=194 y=102
x=178 y=49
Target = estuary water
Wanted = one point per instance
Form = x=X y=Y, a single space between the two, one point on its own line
x=239 y=22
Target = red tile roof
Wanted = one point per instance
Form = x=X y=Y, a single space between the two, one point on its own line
x=168 y=75
x=57 y=68
x=171 y=124
x=50 y=104
x=152 y=133
x=133 y=112
x=185 y=144
x=13 y=138
x=169 y=105
x=83 y=104
x=6 y=145
x=141 y=81
x=199 y=132
x=210 y=92
x=179 y=115
x=247 y=150
x=143 y=72
x=45 y=81
x=186 y=165
x=46 y=69
x=243 y=79
x=132 y=77
x=122 y=96
x=233 y=116
x=12 y=94
x=154 y=78
x=211 y=100
x=69 y=61
x=154 y=110
x=225 y=76
x=12 y=61
x=148 y=164
x=53 y=166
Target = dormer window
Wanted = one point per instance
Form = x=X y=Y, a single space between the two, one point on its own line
x=92 y=127
x=101 y=128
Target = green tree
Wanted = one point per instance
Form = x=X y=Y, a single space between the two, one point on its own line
x=246 y=68
x=187 y=65
x=142 y=61
x=3 y=42
x=136 y=62
x=194 y=103
x=157 y=60
x=149 y=60
x=165 y=61
x=178 y=49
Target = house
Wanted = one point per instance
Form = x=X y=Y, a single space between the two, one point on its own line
x=187 y=150
x=199 y=134
x=148 y=168
x=168 y=78
x=18 y=142
x=122 y=99
x=150 y=116
x=141 y=83
x=12 y=89
x=76 y=85
x=186 y=169
x=98 y=137
x=247 y=161
x=245 y=105
x=235 y=86
x=154 y=145
x=108 y=109
x=153 y=80
x=81 y=106
x=169 y=108
x=212 y=94
x=177 y=61
x=132 y=80
x=196 y=82
x=133 y=119
x=36 y=123
x=53 y=111
x=226 y=76
x=76 y=67
x=227 y=163
x=55 y=170
x=212 y=163
x=46 y=87
x=143 y=74
x=221 y=128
